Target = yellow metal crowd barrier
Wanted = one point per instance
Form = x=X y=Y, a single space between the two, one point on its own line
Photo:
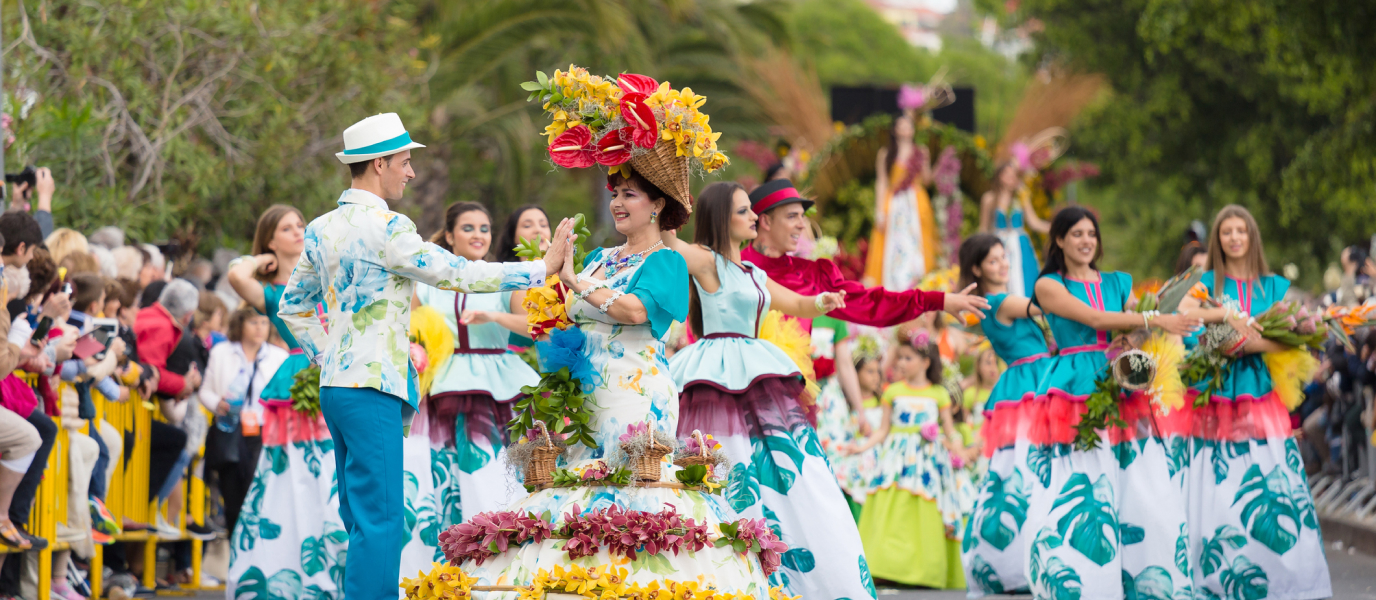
x=128 y=494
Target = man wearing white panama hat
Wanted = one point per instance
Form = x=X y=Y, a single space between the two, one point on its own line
x=361 y=262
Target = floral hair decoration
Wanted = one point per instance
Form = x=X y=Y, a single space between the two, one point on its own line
x=919 y=338
x=629 y=122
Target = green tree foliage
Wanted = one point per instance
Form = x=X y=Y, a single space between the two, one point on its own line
x=1267 y=103
x=187 y=118
x=851 y=44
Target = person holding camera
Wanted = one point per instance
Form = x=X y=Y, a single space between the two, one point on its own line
x=24 y=184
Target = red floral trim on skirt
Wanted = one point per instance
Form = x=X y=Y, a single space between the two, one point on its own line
x=1051 y=419
x=1244 y=419
x=282 y=426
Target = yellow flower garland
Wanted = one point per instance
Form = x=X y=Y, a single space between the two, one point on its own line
x=601 y=582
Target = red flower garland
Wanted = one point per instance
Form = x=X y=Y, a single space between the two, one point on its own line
x=621 y=532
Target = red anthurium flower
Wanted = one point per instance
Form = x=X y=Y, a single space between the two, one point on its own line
x=637 y=84
x=570 y=150
x=644 y=129
x=614 y=148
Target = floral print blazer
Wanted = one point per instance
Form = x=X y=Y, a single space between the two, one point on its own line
x=361 y=262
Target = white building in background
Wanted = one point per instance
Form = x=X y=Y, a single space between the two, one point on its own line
x=918 y=20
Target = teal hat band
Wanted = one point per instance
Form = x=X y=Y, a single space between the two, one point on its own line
x=395 y=143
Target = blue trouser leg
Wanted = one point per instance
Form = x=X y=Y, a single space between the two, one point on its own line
x=366 y=427
x=102 y=462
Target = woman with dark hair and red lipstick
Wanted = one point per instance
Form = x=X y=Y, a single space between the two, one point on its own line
x=749 y=393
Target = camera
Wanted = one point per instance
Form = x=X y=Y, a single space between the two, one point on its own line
x=29 y=175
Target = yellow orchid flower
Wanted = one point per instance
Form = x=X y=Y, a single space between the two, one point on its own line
x=685 y=590
x=624 y=169
x=412 y=585
x=706 y=143
x=689 y=99
x=655 y=591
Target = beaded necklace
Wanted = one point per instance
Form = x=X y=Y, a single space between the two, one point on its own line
x=613 y=265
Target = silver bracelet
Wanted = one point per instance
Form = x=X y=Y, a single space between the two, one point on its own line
x=590 y=289
x=235 y=262
x=606 y=306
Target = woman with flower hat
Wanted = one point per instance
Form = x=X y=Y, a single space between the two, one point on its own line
x=1104 y=515
x=607 y=330
x=471 y=383
x=750 y=394
x=911 y=521
x=1250 y=510
x=993 y=543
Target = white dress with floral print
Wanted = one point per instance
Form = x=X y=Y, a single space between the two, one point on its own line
x=634 y=387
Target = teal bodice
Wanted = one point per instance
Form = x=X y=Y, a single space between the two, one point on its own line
x=739 y=303
x=1008 y=220
x=1012 y=342
x=730 y=356
x=272 y=297
x=1253 y=297
x=487 y=336
x=1109 y=294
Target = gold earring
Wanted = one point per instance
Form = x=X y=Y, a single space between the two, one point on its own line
x=653 y=215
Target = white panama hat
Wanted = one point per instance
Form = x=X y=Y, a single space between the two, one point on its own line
x=374 y=137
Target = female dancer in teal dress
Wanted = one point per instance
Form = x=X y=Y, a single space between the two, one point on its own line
x=529 y=222
x=993 y=544
x=1006 y=211
x=745 y=391
x=1109 y=519
x=470 y=398
x=1250 y=510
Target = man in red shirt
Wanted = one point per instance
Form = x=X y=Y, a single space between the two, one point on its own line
x=782 y=223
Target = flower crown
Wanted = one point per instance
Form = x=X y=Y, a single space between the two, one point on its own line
x=609 y=121
x=919 y=338
x=866 y=348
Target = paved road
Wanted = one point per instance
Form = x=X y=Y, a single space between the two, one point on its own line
x=1354 y=578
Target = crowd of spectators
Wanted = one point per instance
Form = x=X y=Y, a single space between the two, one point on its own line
x=99 y=316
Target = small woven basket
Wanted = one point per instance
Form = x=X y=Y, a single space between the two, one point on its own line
x=647 y=465
x=701 y=458
x=668 y=171
x=1130 y=377
x=540 y=470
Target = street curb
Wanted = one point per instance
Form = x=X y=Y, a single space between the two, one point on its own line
x=1352 y=533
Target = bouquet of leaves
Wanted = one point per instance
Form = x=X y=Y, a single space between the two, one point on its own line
x=305 y=391
x=559 y=399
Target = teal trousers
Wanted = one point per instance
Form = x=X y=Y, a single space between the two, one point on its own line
x=366 y=426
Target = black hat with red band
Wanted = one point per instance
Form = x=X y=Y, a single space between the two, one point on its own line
x=776 y=193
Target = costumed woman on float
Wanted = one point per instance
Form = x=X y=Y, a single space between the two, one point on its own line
x=605 y=322
x=471 y=379
x=1245 y=468
x=1102 y=517
x=993 y=544
x=749 y=393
